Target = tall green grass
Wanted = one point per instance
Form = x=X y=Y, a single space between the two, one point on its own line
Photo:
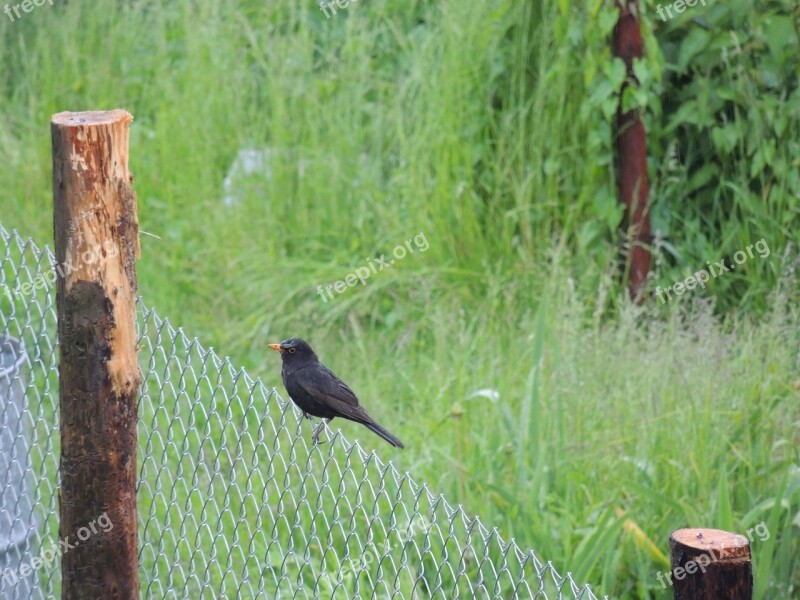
x=482 y=126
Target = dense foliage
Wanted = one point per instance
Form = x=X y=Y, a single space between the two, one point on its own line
x=486 y=127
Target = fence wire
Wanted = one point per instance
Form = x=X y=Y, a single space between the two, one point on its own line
x=233 y=500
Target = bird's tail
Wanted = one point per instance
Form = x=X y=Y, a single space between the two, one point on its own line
x=375 y=428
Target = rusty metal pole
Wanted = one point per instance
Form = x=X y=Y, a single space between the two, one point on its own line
x=96 y=244
x=710 y=564
x=631 y=144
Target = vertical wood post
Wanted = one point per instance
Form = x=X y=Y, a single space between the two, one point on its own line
x=710 y=564
x=631 y=142
x=96 y=244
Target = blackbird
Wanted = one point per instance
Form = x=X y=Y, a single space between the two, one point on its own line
x=319 y=393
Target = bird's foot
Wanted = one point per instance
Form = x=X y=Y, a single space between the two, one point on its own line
x=317 y=431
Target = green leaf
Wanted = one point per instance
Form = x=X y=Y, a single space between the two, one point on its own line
x=693 y=44
x=588 y=233
x=727 y=137
x=630 y=100
x=763 y=156
x=596 y=544
x=616 y=72
x=767 y=554
x=607 y=19
x=602 y=90
x=642 y=72
x=779 y=34
x=690 y=112
x=608 y=208
x=702 y=177
x=724 y=515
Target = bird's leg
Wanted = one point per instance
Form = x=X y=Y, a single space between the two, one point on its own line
x=318 y=430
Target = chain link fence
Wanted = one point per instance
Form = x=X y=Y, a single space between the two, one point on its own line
x=233 y=500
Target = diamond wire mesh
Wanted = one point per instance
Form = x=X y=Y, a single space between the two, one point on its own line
x=233 y=500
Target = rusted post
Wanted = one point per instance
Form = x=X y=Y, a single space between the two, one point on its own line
x=710 y=564
x=631 y=143
x=96 y=244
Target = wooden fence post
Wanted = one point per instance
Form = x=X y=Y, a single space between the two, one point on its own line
x=710 y=564
x=631 y=143
x=96 y=244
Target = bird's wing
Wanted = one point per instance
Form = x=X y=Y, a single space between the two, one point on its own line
x=324 y=386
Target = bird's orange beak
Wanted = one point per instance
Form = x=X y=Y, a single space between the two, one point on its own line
x=276 y=347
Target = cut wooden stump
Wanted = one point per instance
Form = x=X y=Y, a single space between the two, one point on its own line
x=710 y=564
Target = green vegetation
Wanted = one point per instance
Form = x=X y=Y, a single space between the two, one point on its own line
x=487 y=127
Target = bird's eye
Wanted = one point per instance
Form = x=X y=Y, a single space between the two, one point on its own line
x=292 y=350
